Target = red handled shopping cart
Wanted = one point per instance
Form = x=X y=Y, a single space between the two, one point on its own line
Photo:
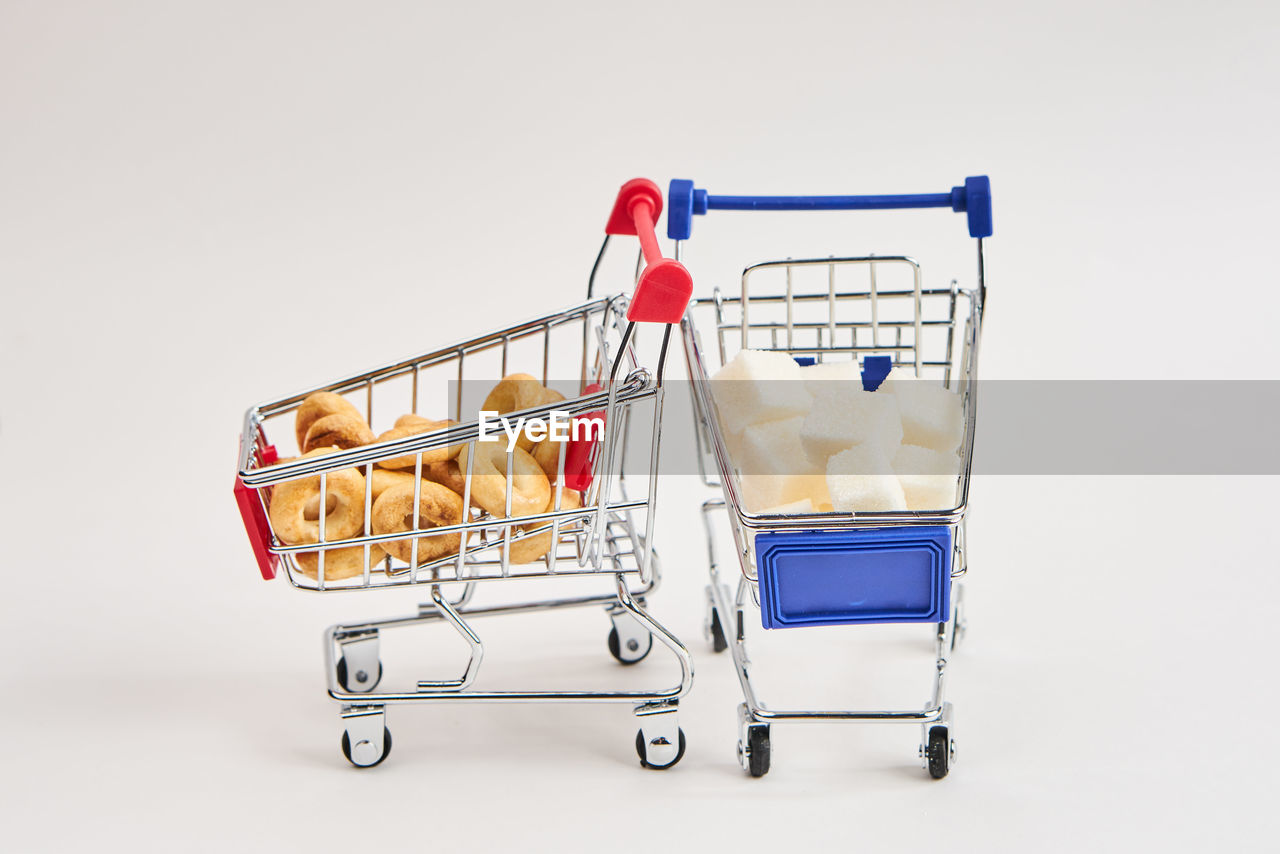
x=599 y=521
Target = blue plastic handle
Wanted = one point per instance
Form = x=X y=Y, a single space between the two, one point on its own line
x=684 y=201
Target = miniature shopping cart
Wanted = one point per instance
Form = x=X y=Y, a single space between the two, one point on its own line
x=830 y=568
x=608 y=537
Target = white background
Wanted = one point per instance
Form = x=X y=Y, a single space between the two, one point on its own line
x=203 y=205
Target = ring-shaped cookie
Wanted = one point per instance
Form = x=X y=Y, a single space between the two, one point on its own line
x=519 y=391
x=438 y=506
x=317 y=406
x=530 y=548
x=340 y=430
x=338 y=563
x=295 y=506
x=530 y=489
x=412 y=425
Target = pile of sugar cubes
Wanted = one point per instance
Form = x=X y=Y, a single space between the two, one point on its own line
x=808 y=439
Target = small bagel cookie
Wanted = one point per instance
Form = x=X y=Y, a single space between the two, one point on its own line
x=530 y=548
x=295 y=506
x=338 y=563
x=547 y=454
x=448 y=474
x=317 y=406
x=547 y=395
x=383 y=480
x=519 y=391
x=530 y=487
x=437 y=506
x=339 y=430
x=412 y=425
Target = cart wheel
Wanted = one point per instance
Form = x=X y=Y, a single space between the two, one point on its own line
x=757 y=750
x=360 y=686
x=386 y=749
x=939 y=752
x=644 y=763
x=718 y=641
x=636 y=649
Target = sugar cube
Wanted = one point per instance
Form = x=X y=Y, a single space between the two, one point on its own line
x=932 y=416
x=796 y=508
x=758 y=386
x=861 y=479
x=851 y=417
x=928 y=477
x=760 y=492
x=823 y=378
x=775 y=469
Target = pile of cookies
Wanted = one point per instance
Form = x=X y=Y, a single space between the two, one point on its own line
x=326 y=423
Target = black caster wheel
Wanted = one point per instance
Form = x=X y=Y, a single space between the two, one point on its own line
x=636 y=650
x=386 y=749
x=939 y=752
x=718 y=641
x=357 y=686
x=758 y=751
x=644 y=763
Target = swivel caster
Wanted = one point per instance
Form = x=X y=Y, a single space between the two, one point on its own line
x=647 y=750
x=659 y=741
x=629 y=642
x=938 y=746
x=366 y=740
x=939 y=752
x=754 y=745
x=754 y=754
x=359 y=666
x=361 y=681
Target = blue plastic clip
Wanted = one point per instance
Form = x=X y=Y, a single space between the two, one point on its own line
x=874 y=370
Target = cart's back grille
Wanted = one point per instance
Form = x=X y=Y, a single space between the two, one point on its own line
x=841 y=308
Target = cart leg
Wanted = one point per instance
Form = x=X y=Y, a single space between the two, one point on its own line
x=359 y=668
x=754 y=744
x=629 y=641
x=937 y=738
x=713 y=627
x=659 y=741
x=446 y=610
x=958 y=623
x=366 y=740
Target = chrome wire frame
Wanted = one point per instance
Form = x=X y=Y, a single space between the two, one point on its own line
x=603 y=537
x=745 y=319
x=591 y=535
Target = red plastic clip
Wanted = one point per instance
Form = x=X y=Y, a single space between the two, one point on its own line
x=664 y=288
x=580 y=455
x=255 y=518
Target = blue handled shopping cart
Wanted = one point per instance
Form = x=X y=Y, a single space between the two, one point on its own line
x=838 y=568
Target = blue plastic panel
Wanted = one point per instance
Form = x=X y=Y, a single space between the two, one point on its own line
x=866 y=575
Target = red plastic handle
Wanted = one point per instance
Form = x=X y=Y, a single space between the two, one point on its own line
x=255 y=520
x=664 y=288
